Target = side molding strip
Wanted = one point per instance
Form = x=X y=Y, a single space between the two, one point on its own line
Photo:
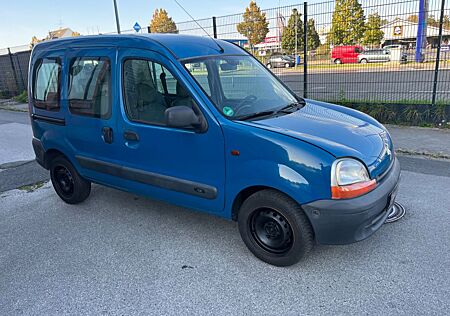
x=154 y=179
x=48 y=119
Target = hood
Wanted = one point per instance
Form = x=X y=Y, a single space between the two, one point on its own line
x=337 y=131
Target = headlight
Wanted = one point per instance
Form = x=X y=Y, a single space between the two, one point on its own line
x=349 y=179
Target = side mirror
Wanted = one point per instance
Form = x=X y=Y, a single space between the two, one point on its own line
x=184 y=117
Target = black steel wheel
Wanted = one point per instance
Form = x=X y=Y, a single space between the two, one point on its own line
x=271 y=230
x=275 y=228
x=64 y=180
x=67 y=182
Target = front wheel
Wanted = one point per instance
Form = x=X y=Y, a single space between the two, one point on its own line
x=68 y=184
x=275 y=228
x=363 y=61
x=269 y=66
x=287 y=65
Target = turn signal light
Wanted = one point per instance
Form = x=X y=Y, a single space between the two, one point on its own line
x=352 y=190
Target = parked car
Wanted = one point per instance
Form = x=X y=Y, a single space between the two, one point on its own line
x=277 y=61
x=345 y=54
x=378 y=56
x=374 y=56
x=127 y=111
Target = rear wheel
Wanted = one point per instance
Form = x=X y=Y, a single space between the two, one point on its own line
x=287 y=65
x=338 y=61
x=269 y=66
x=275 y=228
x=68 y=184
x=363 y=61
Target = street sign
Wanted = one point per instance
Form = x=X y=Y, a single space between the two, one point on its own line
x=137 y=27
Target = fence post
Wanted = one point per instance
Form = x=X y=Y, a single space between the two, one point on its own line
x=305 y=49
x=22 y=80
x=214 y=27
x=438 y=55
x=13 y=71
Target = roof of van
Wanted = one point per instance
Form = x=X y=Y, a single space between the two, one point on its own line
x=181 y=46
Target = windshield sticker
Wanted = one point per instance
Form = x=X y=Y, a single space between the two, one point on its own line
x=228 y=111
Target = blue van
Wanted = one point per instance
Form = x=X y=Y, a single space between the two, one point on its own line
x=202 y=124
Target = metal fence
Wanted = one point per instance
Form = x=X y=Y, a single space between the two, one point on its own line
x=374 y=77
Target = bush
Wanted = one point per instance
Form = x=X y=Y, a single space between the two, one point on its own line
x=405 y=114
x=3 y=94
x=21 y=98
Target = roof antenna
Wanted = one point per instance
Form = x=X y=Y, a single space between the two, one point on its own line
x=221 y=50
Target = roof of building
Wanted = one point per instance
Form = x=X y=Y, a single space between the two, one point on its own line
x=181 y=46
x=59 y=33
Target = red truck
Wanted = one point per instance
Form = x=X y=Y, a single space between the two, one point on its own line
x=346 y=54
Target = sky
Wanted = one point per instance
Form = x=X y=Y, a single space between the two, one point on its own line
x=20 y=20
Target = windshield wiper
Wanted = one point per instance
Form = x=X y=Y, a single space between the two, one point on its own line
x=291 y=106
x=254 y=115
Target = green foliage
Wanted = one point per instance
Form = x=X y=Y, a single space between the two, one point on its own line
x=162 y=23
x=348 y=23
x=373 y=34
x=323 y=50
x=404 y=114
x=21 y=98
x=255 y=26
x=413 y=18
x=295 y=24
x=312 y=35
x=3 y=94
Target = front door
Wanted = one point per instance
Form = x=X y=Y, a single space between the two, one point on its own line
x=179 y=165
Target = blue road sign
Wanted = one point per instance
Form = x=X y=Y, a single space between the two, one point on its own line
x=137 y=27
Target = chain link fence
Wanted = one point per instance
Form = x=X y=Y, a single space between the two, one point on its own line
x=377 y=65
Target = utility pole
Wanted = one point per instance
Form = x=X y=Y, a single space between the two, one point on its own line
x=296 y=37
x=117 y=17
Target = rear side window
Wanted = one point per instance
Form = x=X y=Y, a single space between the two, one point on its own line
x=46 y=85
x=90 y=87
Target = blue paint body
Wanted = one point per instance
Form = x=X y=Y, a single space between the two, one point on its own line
x=292 y=153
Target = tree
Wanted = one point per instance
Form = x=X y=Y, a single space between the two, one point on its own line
x=413 y=18
x=312 y=38
x=288 y=36
x=348 y=23
x=373 y=34
x=255 y=26
x=162 y=23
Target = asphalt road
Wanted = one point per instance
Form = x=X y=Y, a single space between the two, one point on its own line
x=120 y=254
x=381 y=85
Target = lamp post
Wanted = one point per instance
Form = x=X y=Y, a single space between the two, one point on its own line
x=117 y=16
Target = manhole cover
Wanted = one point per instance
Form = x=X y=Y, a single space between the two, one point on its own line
x=396 y=212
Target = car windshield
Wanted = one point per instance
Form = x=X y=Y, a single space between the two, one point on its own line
x=239 y=86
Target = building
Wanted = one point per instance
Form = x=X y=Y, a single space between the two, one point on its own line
x=61 y=33
x=400 y=31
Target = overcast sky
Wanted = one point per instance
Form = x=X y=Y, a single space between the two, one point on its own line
x=20 y=20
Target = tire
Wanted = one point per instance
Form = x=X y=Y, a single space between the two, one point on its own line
x=269 y=66
x=363 y=61
x=286 y=65
x=338 y=61
x=68 y=184
x=275 y=228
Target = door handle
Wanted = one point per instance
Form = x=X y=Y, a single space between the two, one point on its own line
x=130 y=135
x=107 y=134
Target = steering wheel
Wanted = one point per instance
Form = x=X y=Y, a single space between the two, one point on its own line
x=246 y=103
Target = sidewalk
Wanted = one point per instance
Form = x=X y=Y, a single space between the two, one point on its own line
x=430 y=142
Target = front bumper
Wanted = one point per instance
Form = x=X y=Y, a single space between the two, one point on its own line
x=348 y=221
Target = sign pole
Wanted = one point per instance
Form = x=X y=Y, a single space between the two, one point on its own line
x=421 y=41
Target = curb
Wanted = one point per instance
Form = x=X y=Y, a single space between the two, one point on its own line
x=432 y=155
